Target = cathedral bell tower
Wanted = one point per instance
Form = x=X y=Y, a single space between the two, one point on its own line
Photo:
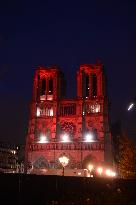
x=91 y=88
x=47 y=91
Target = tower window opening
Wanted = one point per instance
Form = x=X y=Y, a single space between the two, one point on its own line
x=87 y=85
x=38 y=112
x=43 y=86
x=65 y=111
x=50 y=86
x=51 y=111
x=38 y=78
x=48 y=111
x=94 y=85
x=93 y=108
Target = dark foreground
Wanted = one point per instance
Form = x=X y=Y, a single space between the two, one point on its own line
x=56 y=190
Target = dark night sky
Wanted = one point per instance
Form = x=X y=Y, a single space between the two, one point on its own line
x=66 y=33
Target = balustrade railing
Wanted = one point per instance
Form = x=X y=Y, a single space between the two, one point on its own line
x=67 y=146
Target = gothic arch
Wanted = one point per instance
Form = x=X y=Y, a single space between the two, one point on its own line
x=43 y=86
x=88 y=159
x=41 y=163
x=72 y=162
x=55 y=164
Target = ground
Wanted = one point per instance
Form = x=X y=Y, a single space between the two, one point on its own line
x=50 y=190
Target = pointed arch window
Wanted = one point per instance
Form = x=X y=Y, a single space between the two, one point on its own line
x=38 y=82
x=94 y=85
x=50 y=86
x=43 y=86
x=87 y=85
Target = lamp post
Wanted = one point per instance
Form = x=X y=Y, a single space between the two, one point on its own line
x=64 y=162
x=100 y=170
x=90 y=168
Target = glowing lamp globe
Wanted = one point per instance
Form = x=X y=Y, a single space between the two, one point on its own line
x=64 y=161
x=100 y=170
x=90 y=167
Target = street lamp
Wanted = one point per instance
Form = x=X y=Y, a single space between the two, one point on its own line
x=100 y=170
x=110 y=173
x=90 y=168
x=64 y=162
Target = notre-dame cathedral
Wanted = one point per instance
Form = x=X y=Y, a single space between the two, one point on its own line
x=77 y=128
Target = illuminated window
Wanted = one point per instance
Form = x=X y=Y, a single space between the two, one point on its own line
x=95 y=108
x=38 y=112
x=43 y=97
x=49 y=97
x=51 y=112
x=45 y=112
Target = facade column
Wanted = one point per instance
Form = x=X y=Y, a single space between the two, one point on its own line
x=79 y=84
x=99 y=84
x=55 y=88
x=101 y=81
x=36 y=86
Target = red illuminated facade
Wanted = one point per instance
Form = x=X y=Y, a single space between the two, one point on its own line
x=77 y=128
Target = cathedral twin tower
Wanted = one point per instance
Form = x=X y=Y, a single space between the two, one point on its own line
x=77 y=128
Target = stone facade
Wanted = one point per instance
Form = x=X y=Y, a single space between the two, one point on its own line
x=77 y=128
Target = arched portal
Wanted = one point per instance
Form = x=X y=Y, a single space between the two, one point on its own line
x=41 y=163
x=88 y=160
